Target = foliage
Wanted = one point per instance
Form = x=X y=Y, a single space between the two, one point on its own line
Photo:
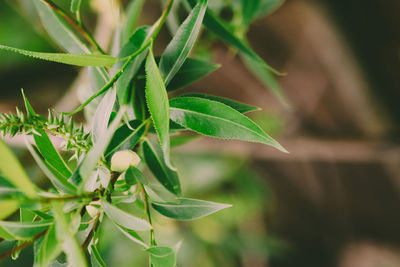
x=133 y=111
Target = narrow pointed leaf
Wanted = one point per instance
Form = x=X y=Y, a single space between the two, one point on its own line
x=125 y=219
x=162 y=256
x=12 y=170
x=157 y=103
x=75 y=5
x=188 y=209
x=29 y=109
x=49 y=249
x=126 y=138
x=181 y=45
x=132 y=15
x=217 y=120
x=51 y=155
x=24 y=230
x=154 y=158
x=133 y=174
x=132 y=235
x=95 y=257
x=8 y=207
x=214 y=24
x=191 y=71
x=70 y=59
x=241 y=107
x=249 y=10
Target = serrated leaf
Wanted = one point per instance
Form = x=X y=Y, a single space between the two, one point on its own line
x=126 y=138
x=191 y=71
x=154 y=158
x=49 y=249
x=217 y=26
x=157 y=103
x=125 y=219
x=82 y=60
x=95 y=257
x=181 y=44
x=218 y=120
x=12 y=170
x=51 y=155
x=241 y=107
x=23 y=230
x=162 y=256
x=188 y=209
x=57 y=179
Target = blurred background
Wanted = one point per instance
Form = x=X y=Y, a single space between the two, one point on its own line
x=333 y=201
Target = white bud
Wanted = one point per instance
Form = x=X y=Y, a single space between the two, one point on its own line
x=121 y=160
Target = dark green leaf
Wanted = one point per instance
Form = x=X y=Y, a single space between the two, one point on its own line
x=49 y=249
x=126 y=138
x=188 y=209
x=249 y=10
x=181 y=44
x=214 y=24
x=133 y=175
x=70 y=59
x=241 y=107
x=157 y=103
x=51 y=155
x=23 y=230
x=217 y=120
x=154 y=158
x=191 y=71
x=125 y=219
x=162 y=256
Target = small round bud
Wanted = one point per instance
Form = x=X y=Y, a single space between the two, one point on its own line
x=121 y=160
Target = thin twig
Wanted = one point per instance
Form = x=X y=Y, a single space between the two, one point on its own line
x=76 y=24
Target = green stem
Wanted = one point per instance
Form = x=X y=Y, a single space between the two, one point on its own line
x=76 y=24
x=110 y=83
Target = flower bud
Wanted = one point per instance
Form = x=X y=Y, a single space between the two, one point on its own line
x=121 y=160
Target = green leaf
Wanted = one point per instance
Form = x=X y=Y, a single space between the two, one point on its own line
x=132 y=15
x=132 y=235
x=133 y=174
x=191 y=71
x=25 y=215
x=65 y=232
x=249 y=10
x=49 y=249
x=8 y=207
x=162 y=256
x=182 y=139
x=126 y=138
x=188 y=209
x=75 y=5
x=23 y=230
x=154 y=158
x=241 y=107
x=268 y=6
x=101 y=116
x=217 y=120
x=266 y=77
x=181 y=44
x=12 y=170
x=95 y=257
x=125 y=219
x=70 y=59
x=51 y=155
x=96 y=152
x=157 y=103
x=217 y=26
x=29 y=109
x=56 y=178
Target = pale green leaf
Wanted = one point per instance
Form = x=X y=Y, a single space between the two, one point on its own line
x=132 y=15
x=132 y=235
x=23 y=230
x=162 y=256
x=12 y=170
x=188 y=209
x=8 y=207
x=49 y=249
x=125 y=219
x=95 y=257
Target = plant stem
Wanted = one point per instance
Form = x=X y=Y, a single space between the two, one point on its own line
x=76 y=24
